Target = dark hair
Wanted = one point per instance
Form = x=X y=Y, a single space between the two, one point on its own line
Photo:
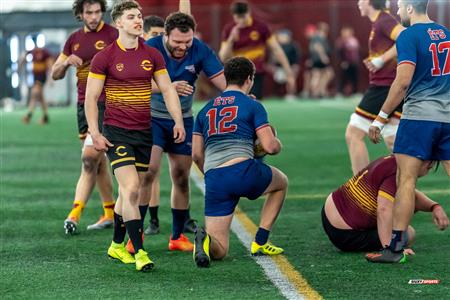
x=78 y=5
x=420 y=6
x=122 y=6
x=179 y=20
x=378 y=4
x=152 y=21
x=239 y=8
x=238 y=69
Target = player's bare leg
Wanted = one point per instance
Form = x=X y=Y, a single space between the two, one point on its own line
x=446 y=164
x=357 y=149
x=218 y=228
x=43 y=103
x=153 y=227
x=389 y=140
x=34 y=94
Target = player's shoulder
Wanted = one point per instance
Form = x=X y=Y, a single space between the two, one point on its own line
x=386 y=16
x=260 y=24
x=76 y=34
x=108 y=51
x=109 y=28
x=155 y=42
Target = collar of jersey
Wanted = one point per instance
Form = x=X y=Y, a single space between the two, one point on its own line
x=122 y=47
x=99 y=27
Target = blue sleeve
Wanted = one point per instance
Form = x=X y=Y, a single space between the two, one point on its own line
x=152 y=42
x=406 y=48
x=260 y=118
x=211 y=64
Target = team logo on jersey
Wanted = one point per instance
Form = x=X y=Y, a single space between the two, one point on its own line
x=254 y=35
x=76 y=47
x=99 y=45
x=190 y=68
x=119 y=151
x=119 y=67
x=146 y=65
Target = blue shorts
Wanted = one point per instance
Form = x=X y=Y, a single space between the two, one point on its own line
x=224 y=186
x=425 y=140
x=162 y=130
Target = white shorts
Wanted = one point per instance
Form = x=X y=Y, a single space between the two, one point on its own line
x=390 y=129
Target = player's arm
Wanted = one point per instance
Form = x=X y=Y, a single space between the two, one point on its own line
x=280 y=56
x=61 y=65
x=185 y=7
x=226 y=48
x=385 y=211
x=376 y=63
x=424 y=203
x=397 y=92
x=219 y=81
x=270 y=143
x=172 y=102
x=93 y=91
x=198 y=150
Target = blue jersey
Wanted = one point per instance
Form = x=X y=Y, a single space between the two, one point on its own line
x=198 y=58
x=427 y=46
x=228 y=125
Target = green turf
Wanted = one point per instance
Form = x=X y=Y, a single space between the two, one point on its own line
x=39 y=169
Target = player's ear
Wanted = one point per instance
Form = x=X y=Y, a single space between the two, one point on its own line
x=409 y=9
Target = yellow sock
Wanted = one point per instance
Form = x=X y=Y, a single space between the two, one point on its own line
x=108 y=207
x=77 y=209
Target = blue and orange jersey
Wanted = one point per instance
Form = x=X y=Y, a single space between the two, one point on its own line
x=128 y=86
x=427 y=47
x=40 y=60
x=384 y=29
x=85 y=44
x=197 y=59
x=228 y=125
x=356 y=200
x=252 y=42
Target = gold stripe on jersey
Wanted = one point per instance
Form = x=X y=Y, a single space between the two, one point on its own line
x=251 y=53
x=386 y=195
x=362 y=196
x=39 y=66
x=97 y=76
x=82 y=73
x=122 y=160
x=132 y=94
x=395 y=32
x=159 y=72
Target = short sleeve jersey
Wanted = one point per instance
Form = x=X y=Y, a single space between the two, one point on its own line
x=228 y=125
x=252 y=42
x=384 y=29
x=198 y=58
x=85 y=44
x=356 y=200
x=427 y=46
x=127 y=74
x=40 y=57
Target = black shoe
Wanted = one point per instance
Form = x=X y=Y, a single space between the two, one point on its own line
x=201 y=248
x=190 y=226
x=386 y=256
x=153 y=228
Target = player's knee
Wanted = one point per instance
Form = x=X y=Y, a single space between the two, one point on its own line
x=180 y=178
x=90 y=164
x=130 y=192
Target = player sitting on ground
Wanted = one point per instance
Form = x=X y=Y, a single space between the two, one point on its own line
x=358 y=215
x=222 y=148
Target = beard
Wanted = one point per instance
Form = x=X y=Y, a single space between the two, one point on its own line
x=406 y=22
x=173 y=51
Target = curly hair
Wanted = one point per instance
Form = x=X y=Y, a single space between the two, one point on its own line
x=152 y=21
x=238 y=69
x=120 y=7
x=78 y=6
x=179 y=20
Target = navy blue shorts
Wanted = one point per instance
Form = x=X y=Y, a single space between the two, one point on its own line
x=162 y=130
x=425 y=140
x=224 y=186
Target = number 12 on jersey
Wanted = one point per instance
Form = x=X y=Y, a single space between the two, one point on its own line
x=220 y=120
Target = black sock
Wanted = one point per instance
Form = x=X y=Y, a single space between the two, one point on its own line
x=135 y=233
x=143 y=212
x=398 y=241
x=178 y=219
x=153 y=210
x=262 y=235
x=119 y=229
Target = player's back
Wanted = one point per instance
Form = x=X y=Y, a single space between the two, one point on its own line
x=427 y=46
x=228 y=125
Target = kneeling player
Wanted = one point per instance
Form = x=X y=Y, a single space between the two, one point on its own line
x=223 y=149
x=358 y=215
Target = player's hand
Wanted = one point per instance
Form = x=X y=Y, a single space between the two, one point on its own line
x=409 y=251
x=183 y=88
x=440 y=217
x=374 y=64
x=179 y=134
x=73 y=60
x=374 y=134
x=100 y=142
x=234 y=34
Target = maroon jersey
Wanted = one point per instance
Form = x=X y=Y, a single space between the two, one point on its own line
x=251 y=43
x=128 y=83
x=40 y=57
x=356 y=200
x=384 y=29
x=85 y=44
